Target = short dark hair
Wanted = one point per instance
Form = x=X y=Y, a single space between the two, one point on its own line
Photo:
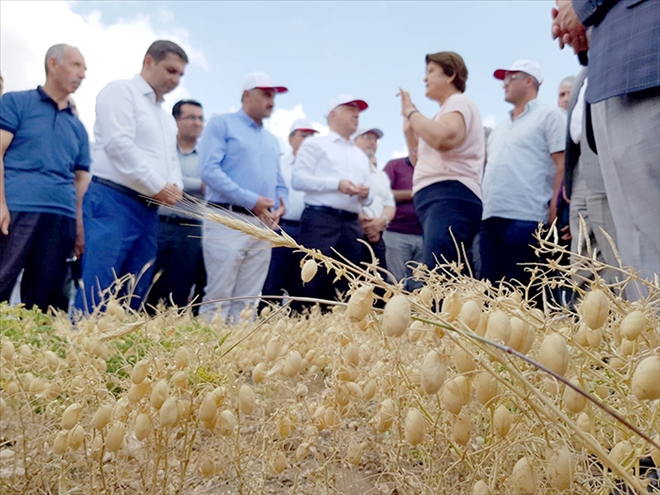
x=161 y=48
x=452 y=64
x=176 y=109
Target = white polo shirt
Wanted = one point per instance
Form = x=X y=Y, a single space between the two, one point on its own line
x=135 y=138
x=519 y=177
x=323 y=161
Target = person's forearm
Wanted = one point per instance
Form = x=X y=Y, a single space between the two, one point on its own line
x=388 y=213
x=412 y=141
x=402 y=195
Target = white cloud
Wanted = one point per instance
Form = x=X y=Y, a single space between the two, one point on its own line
x=28 y=29
x=489 y=121
x=396 y=153
x=280 y=123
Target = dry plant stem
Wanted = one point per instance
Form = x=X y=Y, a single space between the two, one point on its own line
x=587 y=441
x=565 y=381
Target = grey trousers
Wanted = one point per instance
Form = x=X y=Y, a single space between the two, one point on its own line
x=594 y=209
x=627 y=133
x=402 y=248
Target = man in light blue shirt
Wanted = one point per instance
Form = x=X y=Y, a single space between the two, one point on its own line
x=523 y=175
x=239 y=163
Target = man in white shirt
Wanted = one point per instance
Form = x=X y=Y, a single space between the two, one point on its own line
x=375 y=218
x=334 y=174
x=134 y=164
x=523 y=175
x=284 y=262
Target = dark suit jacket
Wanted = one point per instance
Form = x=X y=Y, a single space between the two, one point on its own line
x=572 y=151
x=624 y=50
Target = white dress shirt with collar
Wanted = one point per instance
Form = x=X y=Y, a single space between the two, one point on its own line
x=296 y=204
x=323 y=161
x=135 y=138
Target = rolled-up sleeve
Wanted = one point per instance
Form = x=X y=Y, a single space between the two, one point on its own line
x=118 y=126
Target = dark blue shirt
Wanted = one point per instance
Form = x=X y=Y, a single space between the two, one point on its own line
x=49 y=145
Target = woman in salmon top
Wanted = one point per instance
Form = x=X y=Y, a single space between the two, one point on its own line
x=448 y=153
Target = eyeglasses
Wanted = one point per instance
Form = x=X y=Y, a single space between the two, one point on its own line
x=510 y=77
x=192 y=118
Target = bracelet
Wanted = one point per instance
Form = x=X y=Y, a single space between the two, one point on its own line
x=387 y=221
x=414 y=111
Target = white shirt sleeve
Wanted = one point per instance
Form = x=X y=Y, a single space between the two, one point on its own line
x=305 y=177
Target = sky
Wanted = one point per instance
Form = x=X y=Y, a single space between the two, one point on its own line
x=317 y=49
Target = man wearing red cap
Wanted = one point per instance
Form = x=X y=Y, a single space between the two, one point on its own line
x=239 y=163
x=524 y=171
x=334 y=174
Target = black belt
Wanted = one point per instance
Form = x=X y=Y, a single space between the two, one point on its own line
x=127 y=191
x=174 y=220
x=234 y=208
x=343 y=214
x=291 y=223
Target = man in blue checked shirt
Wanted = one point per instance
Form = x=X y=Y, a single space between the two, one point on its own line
x=239 y=163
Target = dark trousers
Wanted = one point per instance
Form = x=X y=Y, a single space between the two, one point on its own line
x=284 y=270
x=121 y=237
x=504 y=245
x=39 y=244
x=325 y=229
x=379 y=252
x=450 y=215
x=180 y=263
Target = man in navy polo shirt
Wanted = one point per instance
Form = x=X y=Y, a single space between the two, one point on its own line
x=44 y=164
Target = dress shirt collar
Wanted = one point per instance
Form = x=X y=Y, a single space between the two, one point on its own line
x=336 y=137
x=249 y=120
x=145 y=88
x=531 y=105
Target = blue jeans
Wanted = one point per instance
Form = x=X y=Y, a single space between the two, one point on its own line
x=121 y=237
x=505 y=244
x=450 y=215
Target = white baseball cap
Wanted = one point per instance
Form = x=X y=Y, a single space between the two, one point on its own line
x=527 y=66
x=379 y=134
x=261 y=80
x=302 y=125
x=346 y=100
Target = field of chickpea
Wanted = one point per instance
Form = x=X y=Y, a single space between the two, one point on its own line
x=457 y=388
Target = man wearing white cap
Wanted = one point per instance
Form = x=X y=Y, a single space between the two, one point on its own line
x=283 y=260
x=524 y=171
x=239 y=163
x=377 y=216
x=334 y=174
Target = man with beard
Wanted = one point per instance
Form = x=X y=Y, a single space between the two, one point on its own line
x=239 y=161
x=135 y=166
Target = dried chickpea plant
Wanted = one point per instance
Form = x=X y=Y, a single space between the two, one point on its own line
x=459 y=387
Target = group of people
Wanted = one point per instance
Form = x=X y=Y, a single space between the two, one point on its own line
x=119 y=207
